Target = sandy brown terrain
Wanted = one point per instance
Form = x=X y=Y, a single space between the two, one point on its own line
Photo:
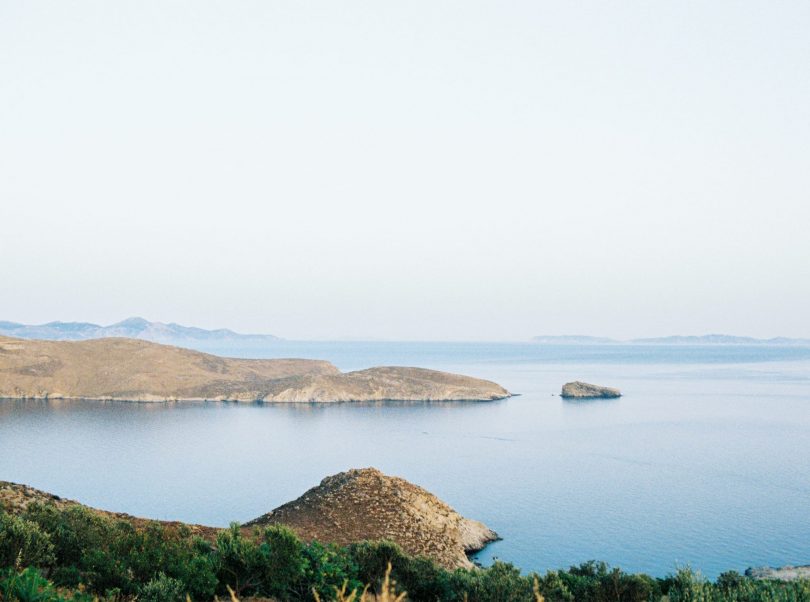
x=136 y=370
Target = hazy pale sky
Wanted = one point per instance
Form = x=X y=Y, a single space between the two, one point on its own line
x=410 y=170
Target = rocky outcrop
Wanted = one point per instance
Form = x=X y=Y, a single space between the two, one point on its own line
x=785 y=573
x=366 y=504
x=136 y=370
x=580 y=390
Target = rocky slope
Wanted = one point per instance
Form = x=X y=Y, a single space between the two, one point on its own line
x=15 y=498
x=135 y=370
x=366 y=504
x=580 y=390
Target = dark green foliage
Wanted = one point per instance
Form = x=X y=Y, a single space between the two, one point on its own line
x=27 y=586
x=327 y=568
x=284 y=562
x=598 y=582
x=502 y=582
x=239 y=561
x=420 y=577
x=23 y=543
x=553 y=587
x=85 y=556
x=106 y=555
x=73 y=530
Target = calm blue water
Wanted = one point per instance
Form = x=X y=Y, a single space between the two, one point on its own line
x=704 y=461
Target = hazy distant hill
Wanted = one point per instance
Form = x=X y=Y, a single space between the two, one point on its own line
x=719 y=339
x=133 y=328
x=708 y=339
x=573 y=340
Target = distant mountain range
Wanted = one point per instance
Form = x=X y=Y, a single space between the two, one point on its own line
x=707 y=339
x=133 y=328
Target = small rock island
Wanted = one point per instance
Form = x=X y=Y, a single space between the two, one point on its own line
x=581 y=390
x=136 y=370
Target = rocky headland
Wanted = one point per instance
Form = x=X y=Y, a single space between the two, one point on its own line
x=581 y=390
x=136 y=370
x=349 y=507
x=784 y=573
x=366 y=504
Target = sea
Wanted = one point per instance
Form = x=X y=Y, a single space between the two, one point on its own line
x=703 y=462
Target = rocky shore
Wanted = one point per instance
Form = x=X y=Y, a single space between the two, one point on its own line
x=135 y=370
x=784 y=573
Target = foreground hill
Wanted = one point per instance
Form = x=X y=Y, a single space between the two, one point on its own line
x=367 y=504
x=349 y=507
x=91 y=555
x=135 y=370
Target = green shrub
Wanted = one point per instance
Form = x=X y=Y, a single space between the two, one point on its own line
x=284 y=564
x=82 y=551
x=73 y=530
x=162 y=589
x=239 y=561
x=502 y=582
x=327 y=568
x=23 y=543
x=553 y=588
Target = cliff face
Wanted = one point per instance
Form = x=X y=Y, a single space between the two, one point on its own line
x=366 y=504
x=135 y=370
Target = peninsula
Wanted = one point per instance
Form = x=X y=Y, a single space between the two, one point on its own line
x=136 y=370
x=349 y=507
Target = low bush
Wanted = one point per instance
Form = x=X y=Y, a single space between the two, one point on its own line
x=51 y=554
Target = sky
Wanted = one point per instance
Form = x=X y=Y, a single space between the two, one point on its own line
x=426 y=170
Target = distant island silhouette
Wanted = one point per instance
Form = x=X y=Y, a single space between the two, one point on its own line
x=706 y=339
x=132 y=328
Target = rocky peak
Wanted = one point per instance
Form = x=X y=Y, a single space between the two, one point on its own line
x=365 y=504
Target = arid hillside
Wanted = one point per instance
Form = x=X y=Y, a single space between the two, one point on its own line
x=353 y=506
x=366 y=504
x=135 y=370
